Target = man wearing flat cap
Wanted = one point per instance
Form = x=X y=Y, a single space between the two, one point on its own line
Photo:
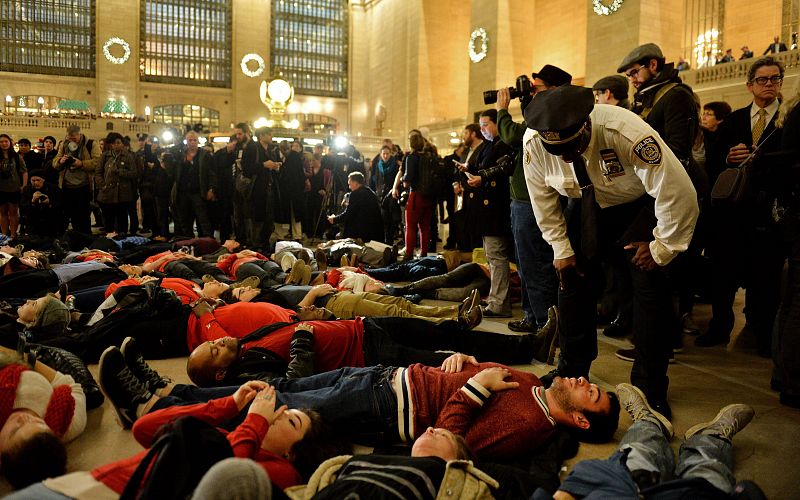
x=667 y=105
x=627 y=192
x=537 y=278
x=612 y=90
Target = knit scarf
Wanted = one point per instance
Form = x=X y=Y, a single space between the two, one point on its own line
x=60 y=408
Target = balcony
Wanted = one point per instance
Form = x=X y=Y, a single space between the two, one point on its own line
x=727 y=81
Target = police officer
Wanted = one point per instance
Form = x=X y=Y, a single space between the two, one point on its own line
x=627 y=192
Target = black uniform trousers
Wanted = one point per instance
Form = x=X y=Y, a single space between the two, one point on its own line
x=653 y=316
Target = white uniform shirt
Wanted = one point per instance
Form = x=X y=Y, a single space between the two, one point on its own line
x=625 y=159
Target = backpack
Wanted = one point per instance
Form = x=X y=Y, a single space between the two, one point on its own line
x=178 y=459
x=153 y=315
x=431 y=178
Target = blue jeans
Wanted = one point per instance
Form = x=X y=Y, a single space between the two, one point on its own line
x=410 y=270
x=358 y=402
x=183 y=395
x=534 y=264
x=702 y=461
x=703 y=457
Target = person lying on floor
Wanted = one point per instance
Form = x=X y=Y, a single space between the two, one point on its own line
x=383 y=405
x=179 y=265
x=40 y=409
x=348 y=305
x=279 y=439
x=35 y=282
x=454 y=285
x=644 y=465
x=361 y=342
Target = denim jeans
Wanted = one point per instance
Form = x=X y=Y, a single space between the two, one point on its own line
x=410 y=270
x=534 y=264
x=183 y=395
x=358 y=402
x=704 y=457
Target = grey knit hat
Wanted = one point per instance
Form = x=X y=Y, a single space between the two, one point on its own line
x=52 y=314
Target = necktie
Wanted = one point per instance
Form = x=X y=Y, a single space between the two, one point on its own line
x=588 y=209
x=761 y=124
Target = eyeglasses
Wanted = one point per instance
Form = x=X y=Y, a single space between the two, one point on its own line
x=633 y=72
x=762 y=80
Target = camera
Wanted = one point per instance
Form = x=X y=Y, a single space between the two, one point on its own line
x=521 y=89
x=69 y=161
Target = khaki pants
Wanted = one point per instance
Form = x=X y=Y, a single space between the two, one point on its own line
x=346 y=305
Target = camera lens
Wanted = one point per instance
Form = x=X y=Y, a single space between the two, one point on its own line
x=489 y=96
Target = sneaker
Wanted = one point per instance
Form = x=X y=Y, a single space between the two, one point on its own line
x=287 y=261
x=491 y=314
x=250 y=281
x=632 y=399
x=726 y=424
x=136 y=363
x=121 y=387
x=344 y=261
x=630 y=355
x=305 y=257
x=296 y=274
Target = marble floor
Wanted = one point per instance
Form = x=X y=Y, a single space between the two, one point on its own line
x=702 y=381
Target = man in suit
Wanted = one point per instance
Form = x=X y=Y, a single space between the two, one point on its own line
x=745 y=249
x=473 y=140
x=775 y=47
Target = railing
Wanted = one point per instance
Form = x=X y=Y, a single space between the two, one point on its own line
x=734 y=71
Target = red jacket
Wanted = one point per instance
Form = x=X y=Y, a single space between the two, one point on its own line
x=234 y=320
x=245 y=440
x=184 y=289
x=230 y=264
x=337 y=343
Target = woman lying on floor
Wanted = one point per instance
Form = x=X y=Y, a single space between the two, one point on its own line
x=274 y=438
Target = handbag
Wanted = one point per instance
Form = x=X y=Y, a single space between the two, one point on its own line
x=731 y=187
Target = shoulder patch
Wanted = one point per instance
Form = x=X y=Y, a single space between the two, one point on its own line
x=648 y=150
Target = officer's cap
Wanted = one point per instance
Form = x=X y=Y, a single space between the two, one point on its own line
x=617 y=84
x=560 y=115
x=553 y=75
x=640 y=53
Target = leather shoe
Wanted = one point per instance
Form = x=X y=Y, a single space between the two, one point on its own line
x=396 y=290
x=547 y=378
x=548 y=338
x=521 y=326
x=790 y=400
x=471 y=318
x=414 y=298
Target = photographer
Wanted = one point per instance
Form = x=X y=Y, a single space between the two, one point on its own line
x=76 y=161
x=41 y=207
x=534 y=255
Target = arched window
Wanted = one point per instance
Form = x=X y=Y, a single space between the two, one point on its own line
x=187 y=114
x=186 y=42
x=56 y=37
x=310 y=45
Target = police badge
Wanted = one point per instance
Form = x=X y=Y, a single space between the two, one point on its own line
x=648 y=150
